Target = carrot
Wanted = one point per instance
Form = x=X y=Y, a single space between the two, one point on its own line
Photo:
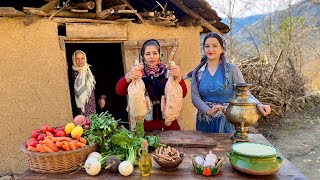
x=48 y=137
x=75 y=143
x=42 y=142
x=55 y=139
x=40 y=148
x=60 y=143
x=80 y=144
x=30 y=148
x=49 y=134
x=48 y=149
x=71 y=145
x=83 y=140
x=66 y=147
x=52 y=146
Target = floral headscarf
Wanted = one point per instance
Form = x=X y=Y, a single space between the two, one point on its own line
x=84 y=83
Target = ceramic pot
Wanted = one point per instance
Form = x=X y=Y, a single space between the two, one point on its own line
x=254 y=158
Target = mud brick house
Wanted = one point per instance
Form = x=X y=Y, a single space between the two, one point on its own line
x=38 y=37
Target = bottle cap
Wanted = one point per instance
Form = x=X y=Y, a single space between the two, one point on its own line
x=144 y=143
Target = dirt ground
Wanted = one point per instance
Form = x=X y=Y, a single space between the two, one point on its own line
x=297 y=137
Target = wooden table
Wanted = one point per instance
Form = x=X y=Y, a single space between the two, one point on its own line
x=185 y=170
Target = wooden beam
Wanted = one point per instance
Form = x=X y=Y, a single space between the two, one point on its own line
x=69 y=14
x=83 y=5
x=82 y=20
x=161 y=23
x=188 y=11
x=34 y=11
x=105 y=13
x=147 y=14
x=97 y=30
x=120 y=7
x=126 y=11
x=61 y=9
x=10 y=12
x=137 y=14
x=45 y=8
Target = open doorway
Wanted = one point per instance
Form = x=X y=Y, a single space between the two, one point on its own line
x=107 y=67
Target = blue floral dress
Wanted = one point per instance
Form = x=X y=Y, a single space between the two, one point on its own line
x=212 y=90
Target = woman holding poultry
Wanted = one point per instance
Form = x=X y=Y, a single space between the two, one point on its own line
x=153 y=74
x=212 y=87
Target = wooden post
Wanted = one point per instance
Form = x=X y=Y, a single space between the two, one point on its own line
x=98 y=6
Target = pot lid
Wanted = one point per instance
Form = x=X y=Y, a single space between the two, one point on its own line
x=254 y=149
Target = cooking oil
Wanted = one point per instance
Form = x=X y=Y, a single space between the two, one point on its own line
x=145 y=162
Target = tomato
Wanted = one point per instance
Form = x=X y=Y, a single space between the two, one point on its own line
x=31 y=142
x=35 y=133
x=47 y=127
x=60 y=128
x=60 y=133
x=41 y=137
x=30 y=139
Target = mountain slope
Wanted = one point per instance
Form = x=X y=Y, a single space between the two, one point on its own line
x=309 y=12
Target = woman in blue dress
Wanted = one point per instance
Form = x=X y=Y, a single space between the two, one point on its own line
x=212 y=87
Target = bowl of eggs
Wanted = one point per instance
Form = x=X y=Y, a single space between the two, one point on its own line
x=207 y=165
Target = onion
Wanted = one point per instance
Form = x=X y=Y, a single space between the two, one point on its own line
x=125 y=168
x=78 y=119
x=92 y=166
x=95 y=155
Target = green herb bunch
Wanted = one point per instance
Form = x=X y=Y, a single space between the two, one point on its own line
x=117 y=140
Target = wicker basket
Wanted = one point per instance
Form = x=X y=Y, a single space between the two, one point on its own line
x=58 y=162
x=172 y=166
x=205 y=170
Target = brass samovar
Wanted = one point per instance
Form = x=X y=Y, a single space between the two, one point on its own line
x=242 y=112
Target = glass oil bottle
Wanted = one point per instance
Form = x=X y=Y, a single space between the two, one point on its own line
x=145 y=161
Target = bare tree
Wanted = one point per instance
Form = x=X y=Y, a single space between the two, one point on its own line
x=230 y=8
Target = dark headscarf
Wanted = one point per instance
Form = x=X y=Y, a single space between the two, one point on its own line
x=154 y=78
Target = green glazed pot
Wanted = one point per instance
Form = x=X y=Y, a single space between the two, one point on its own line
x=254 y=158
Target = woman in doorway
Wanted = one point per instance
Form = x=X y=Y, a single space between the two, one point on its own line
x=212 y=87
x=154 y=77
x=84 y=85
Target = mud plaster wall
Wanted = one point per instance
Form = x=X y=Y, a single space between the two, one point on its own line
x=188 y=52
x=34 y=86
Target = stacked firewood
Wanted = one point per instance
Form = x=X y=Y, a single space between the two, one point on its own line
x=277 y=85
x=100 y=11
x=164 y=17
